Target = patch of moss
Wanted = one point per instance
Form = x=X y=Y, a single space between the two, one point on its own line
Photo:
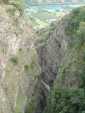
x=31 y=106
x=14 y=60
x=20 y=49
x=26 y=68
x=20 y=104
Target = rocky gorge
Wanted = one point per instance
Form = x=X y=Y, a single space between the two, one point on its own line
x=42 y=72
x=61 y=51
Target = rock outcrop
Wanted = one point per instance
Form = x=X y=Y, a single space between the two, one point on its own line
x=51 y=49
x=19 y=68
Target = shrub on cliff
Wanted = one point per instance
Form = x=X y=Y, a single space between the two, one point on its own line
x=14 y=60
x=74 y=19
x=18 y=4
x=66 y=101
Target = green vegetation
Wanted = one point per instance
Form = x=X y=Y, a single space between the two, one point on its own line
x=76 y=25
x=14 y=60
x=41 y=18
x=23 y=65
x=17 y=5
x=20 y=49
x=74 y=20
x=31 y=106
x=26 y=67
x=19 y=103
x=5 y=1
x=66 y=101
x=68 y=94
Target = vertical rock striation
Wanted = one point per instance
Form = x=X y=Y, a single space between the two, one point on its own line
x=51 y=49
x=19 y=68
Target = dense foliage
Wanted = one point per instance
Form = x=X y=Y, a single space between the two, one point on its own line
x=66 y=101
x=76 y=25
x=18 y=4
x=74 y=19
x=68 y=94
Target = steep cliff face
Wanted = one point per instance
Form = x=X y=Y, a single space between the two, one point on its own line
x=19 y=68
x=61 y=54
x=51 y=49
x=68 y=93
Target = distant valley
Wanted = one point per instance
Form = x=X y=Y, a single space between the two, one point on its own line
x=41 y=15
x=55 y=1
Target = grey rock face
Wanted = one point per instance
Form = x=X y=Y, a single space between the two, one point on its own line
x=50 y=57
x=19 y=68
x=52 y=53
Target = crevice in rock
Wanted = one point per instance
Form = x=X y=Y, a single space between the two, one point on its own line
x=47 y=77
x=50 y=57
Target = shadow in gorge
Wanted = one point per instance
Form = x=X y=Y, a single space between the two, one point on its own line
x=47 y=77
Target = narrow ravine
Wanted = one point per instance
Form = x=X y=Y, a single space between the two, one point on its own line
x=50 y=55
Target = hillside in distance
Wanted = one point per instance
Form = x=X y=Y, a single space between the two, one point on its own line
x=55 y=1
x=44 y=12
